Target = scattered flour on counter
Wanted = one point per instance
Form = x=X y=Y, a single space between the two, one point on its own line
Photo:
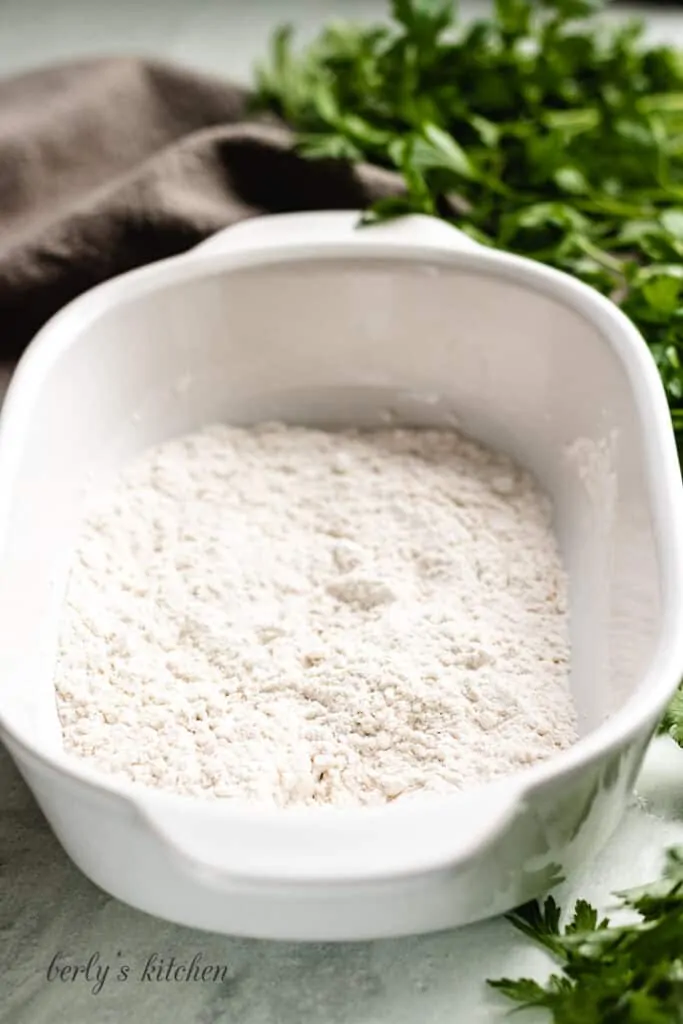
x=299 y=617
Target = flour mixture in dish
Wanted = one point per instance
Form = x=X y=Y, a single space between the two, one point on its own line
x=298 y=617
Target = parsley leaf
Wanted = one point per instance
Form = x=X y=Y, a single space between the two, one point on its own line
x=672 y=723
x=611 y=974
x=540 y=922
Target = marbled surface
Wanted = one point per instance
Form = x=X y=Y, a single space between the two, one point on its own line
x=48 y=908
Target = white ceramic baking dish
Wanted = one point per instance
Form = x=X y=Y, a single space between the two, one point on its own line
x=305 y=318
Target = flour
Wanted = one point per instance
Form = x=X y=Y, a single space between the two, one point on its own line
x=298 y=617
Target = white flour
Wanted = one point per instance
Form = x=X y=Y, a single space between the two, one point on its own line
x=300 y=617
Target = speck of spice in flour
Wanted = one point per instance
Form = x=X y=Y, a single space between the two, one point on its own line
x=292 y=616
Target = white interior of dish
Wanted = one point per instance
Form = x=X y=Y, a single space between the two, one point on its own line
x=339 y=342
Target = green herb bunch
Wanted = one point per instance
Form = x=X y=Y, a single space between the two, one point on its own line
x=537 y=130
x=611 y=974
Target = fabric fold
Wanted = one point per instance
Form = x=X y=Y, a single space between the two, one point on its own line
x=109 y=164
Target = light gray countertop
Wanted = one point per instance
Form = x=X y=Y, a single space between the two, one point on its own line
x=47 y=907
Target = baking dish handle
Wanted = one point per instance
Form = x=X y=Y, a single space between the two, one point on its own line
x=222 y=848
x=332 y=228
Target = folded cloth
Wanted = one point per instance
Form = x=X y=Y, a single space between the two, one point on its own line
x=109 y=164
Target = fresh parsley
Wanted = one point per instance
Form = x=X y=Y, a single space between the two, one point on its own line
x=629 y=973
x=537 y=130
x=672 y=723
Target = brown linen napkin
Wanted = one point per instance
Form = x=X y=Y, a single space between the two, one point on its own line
x=109 y=164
